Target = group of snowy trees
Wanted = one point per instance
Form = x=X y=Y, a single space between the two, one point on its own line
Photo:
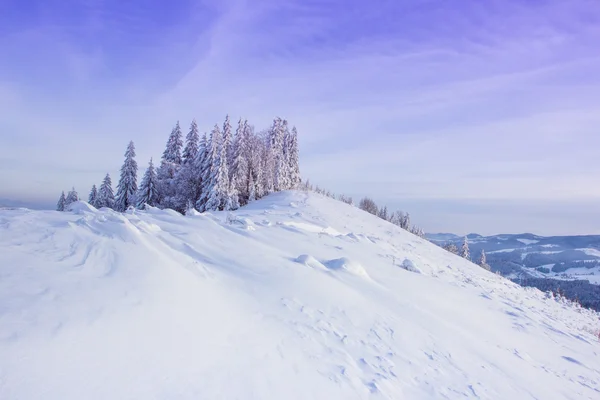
x=465 y=253
x=65 y=201
x=219 y=171
x=398 y=218
x=367 y=204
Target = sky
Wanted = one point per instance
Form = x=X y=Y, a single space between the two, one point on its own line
x=474 y=116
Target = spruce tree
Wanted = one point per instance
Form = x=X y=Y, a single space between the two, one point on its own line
x=482 y=262
x=277 y=167
x=203 y=170
x=219 y=195
x=148 y=192
x=191 y=144
x=464 y=250
x=72 y=197
x=187 y=178
x=127 y=186
x=93 y=197
x=228 y=142
x=106 y=197
x=451 y=247
x=239 y=174
x=293 y=160
x=209 y=170
x=60 y=206
x=169 y=167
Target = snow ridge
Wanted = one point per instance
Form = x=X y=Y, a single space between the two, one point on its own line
x=295 y=296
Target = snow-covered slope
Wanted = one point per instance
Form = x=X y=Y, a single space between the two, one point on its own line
x=294 y=297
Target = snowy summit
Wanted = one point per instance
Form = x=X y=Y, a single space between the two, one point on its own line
x=295 y=296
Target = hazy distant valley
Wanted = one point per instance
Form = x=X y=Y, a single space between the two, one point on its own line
x=568 y=263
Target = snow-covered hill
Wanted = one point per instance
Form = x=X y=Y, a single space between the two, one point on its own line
x=294 y=297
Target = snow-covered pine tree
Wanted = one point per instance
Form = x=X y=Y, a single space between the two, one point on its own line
x=228 y=142
x=106 y=196
x=405 y=221
x=60 y=206
x=482 y=261
x=451 y=247
x=283 y=161
x=203 y=169
x=148 y=192
x=209 y=169
x=93 y=196
x=251 y=188
x=192 y=141
x=278 y=157
x=383 y=213
x=187 y=179
x=127 y=187
x=218 y=198
x=72 y=197
x=268 y=158
x=464 y=250
x=239 y=174
x=169 y=166
x=293 y=160
x=257 y=164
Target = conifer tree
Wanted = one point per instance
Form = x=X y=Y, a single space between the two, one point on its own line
x=187 y=179
x=72 y=197
x=482 y=261
x=169 y=167
x=383 y=213
x=228 y=142
x=239 y=175
x=203 y=169
x=451 y=247
x=219 y=193
x=106 y=197
x=209 y=170
x=191 y=146
x=127 y=187
x=60 y=206
x=278 y=167
x=293 y=161
x=405 y=221
x=147 y=193
x=464 y=250
x=93 y=197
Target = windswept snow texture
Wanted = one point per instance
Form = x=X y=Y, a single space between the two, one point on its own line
x=318 y=301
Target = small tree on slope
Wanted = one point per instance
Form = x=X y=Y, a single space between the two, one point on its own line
x=127 y=187
x=451 y=247
x=60 y=206
x=482 y=261
x=93 y=197
x=148 y=191
x=464 y=250
x=106 y=196
x=72 y=197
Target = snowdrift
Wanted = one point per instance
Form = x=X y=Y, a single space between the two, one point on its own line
x=293 y=297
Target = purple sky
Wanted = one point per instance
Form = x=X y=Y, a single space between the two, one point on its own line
x=474 y=115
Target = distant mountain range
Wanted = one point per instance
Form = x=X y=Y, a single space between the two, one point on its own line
x=526 y=255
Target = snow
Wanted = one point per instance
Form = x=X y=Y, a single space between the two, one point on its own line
x=528 y=241
x=156 y=305
x=502 y=251
x=590 y=252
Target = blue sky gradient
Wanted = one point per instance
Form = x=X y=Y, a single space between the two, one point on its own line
x=474 y=115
